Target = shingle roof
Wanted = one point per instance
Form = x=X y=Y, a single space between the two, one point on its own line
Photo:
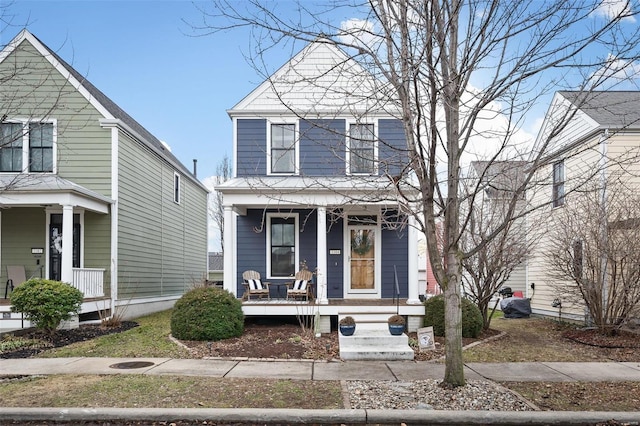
x=216 y=261
x=616 y=109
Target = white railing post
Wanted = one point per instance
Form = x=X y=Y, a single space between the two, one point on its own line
x=90 y=281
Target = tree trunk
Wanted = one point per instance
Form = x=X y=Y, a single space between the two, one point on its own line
x=454 y=366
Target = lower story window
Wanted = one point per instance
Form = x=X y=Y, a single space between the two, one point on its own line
x=282 y=246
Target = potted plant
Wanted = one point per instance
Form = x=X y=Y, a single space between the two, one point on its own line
x=347 y=326
x=396 y=324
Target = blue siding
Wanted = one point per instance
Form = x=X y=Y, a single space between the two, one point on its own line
x=395 y=251
x=252 y=246
x=251 y=147
x=335 y=262
x=322 y=149
x=392 y=149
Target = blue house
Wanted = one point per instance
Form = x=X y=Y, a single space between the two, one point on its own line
x=315 y=155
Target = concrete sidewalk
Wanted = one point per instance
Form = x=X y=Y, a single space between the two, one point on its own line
x=325 y=370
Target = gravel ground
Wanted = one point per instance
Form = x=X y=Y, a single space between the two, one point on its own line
x=427 y=394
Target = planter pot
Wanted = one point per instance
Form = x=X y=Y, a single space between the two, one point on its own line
x=396 y=329
x=347 y=330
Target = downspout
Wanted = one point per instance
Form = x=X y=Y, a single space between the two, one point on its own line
x=604 y=218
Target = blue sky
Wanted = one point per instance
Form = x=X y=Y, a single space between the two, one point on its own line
x=141 y=54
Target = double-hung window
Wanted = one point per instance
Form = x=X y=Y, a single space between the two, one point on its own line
x=362 y=149
x=558 y=184
x=11 y=147
x=282 y=242
x=283 y=148
x=27 y=147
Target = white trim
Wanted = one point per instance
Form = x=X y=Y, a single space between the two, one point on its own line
x=235 y=147
x=376 y=292
x=347 y=148
x=113 y=285
x=295 y=217
x=296 y=146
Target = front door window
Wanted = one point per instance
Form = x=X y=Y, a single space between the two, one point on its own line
x=363 y=260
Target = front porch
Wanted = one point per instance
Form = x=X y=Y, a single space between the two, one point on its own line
x=365 y=311
x=90 y=281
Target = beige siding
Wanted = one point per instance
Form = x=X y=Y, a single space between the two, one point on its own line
x=155 y=256
x=582 y=170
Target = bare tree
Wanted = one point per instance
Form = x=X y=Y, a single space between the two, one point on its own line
x=216 y=209
x=461 y=76
x=594 y=255
x=490 y=267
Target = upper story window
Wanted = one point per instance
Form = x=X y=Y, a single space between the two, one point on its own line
x=283 y=148
x=27 y=147
x=176 y=188
x=362 y=149
x=558 y=184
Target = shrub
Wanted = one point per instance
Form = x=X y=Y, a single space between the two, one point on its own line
x=434 y=316
x=207 y=313
x=46 y=303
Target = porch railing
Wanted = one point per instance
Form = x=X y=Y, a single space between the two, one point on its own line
x=89 y=281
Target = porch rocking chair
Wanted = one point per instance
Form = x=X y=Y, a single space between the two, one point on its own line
x=302 y=286
x=16 y=276
x=254 y=286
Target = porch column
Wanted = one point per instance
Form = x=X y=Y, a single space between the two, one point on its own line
x=66 y=274
x=412 y=264
x=228 y=253
x=321 y=277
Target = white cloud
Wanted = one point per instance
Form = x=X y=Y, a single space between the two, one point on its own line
x=614 y=73
x=611 y=9
x=357 y=32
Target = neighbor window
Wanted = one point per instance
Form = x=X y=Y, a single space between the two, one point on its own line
x=283 y=148
x=558 y=184
x=362 y=149
x=282 y=246
x=176 y=188
x=29 y=142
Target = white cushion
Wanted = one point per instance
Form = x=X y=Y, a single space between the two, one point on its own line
x=300 y=285
x=255 y=284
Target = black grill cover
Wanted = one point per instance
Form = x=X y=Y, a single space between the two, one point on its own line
x=516 y=307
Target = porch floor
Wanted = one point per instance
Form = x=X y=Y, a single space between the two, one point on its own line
x=332 y=302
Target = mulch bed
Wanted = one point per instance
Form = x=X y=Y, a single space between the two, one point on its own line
x=623 y=339
x=63 y=338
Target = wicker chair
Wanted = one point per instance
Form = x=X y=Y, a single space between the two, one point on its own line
x=254 y=286
x=302 y=287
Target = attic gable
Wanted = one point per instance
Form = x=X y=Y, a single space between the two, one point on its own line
x=320 y=79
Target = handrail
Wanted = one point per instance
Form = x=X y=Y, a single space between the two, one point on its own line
x=396 y=297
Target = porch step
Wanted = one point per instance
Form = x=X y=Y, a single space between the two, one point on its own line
x=375 y=345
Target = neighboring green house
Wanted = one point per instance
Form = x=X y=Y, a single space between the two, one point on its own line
x=87 y=195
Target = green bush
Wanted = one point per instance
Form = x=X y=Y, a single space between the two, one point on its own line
x=46 y=303
x=207 y=313
x=434 y=316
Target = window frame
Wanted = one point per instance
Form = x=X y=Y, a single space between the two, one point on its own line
x=296 y=247
x=27 y=149
x=177 y=187
x=270 y=148
x=374 y=171
x=558 y=178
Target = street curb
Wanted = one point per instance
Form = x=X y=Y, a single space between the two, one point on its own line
x=301 y=416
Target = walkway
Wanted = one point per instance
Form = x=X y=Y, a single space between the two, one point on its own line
x=323 y=370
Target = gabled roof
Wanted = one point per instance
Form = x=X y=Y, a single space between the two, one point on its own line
x=98 y=100
x=611 y=109
x=320 y=79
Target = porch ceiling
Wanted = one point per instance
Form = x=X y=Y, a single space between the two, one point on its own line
x=24 y=190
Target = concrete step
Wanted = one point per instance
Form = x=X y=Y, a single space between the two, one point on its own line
x=375 y=345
